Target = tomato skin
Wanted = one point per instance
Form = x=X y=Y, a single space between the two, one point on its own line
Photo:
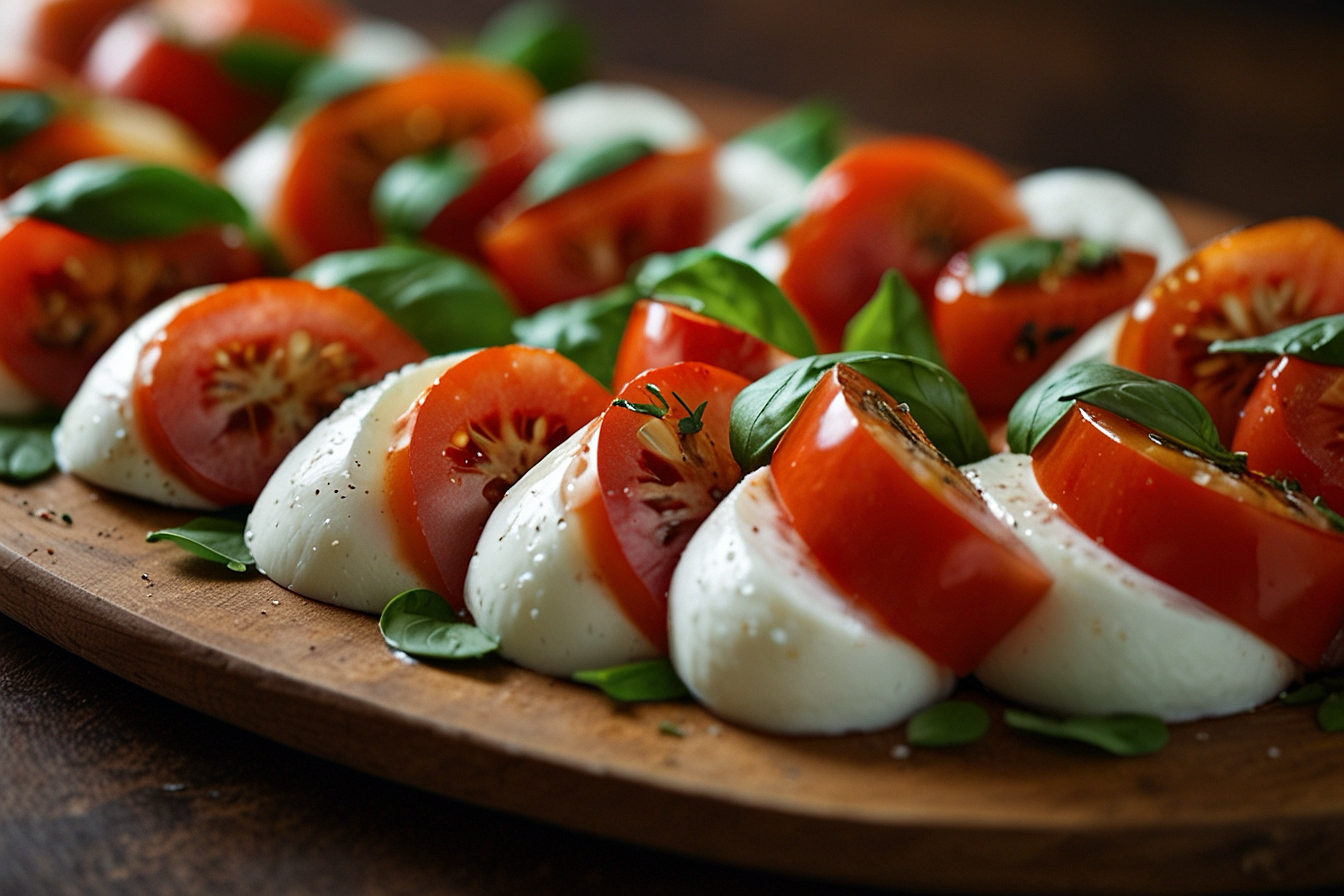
x=1270 y=276
x=897 y=527
x=904 y=202
x=303 y=347
x=661 y=333
x=583 y=240
x=1236 y=544
x=62 y=30
x=1292 y=427
x=999 y=344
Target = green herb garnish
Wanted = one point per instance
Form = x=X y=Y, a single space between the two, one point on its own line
x=947 y=724
x=1122 y=735
x=26 y=450
x=23 y=112
x=636 y=682
x=572 y=167
x=1320 y=341
x=893 y=321
x=541 y=38
x=420 y=623
x=212 y=538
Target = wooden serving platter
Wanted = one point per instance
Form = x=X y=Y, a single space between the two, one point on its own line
x=1233 y=805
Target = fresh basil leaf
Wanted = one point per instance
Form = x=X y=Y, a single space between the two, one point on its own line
x=574 y=166
x=21 y=113
x=764 y=409
x=1016 y=258
x=1122 y=735
x=320 y=81
x=1314 y=692
x=633 y=682
x=420 y=623
x=738 y=295
x=1336 y=520
x=950 y=723
x=413 y=190
x=120 y=199
x=775 y=229
x=587 y=331
x=445 y=302
x=807 y=136
x=1330 y=714
x=26 y=451
x=211 y=538
x=1320 y=341
x=540 y=38
x=1162 y=407
x=894 y=321
x=646 y=273
x=265 y=64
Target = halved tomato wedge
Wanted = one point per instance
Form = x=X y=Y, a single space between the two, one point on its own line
x=898 y=527
x=1257 y=553
x=230 y=385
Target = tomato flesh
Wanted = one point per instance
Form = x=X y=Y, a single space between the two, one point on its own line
x=1263 y=558
x=234 y=380
x=897 y=527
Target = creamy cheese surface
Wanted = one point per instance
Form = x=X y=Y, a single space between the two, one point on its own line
x=604 y=111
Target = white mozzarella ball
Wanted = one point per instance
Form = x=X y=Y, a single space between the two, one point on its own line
x=601 y=112
x=761 y=636
x=322 y=526
x=1107 y=638
x=741 y=240
x=381 y=47
x=254 y=171
x=750 y=178
x=533 y=584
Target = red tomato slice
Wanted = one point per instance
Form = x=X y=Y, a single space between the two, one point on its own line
x=998 y=344
x=59 y=30
x=483 y=424
x=643 y=486
x=1292 y=427
x=67 y=297
x=582 y=241
x=898 y=527
x=660 y=333
x=1246 y=283
x=1259 y=556
x=307 y=23
x=232 y=383
x=908 y=203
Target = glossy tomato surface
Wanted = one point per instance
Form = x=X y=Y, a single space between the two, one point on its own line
x=1262 y=557
x=584 y=240
x=896 y=525
x=235 y=379
x=908 y=203
x=1246 y=283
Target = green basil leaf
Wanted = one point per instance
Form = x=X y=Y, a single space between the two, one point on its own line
x=320 y=81
x=540 y=38
x=1320 y=340
x=120 y=199
x=262 y=63
x=634 y=682
x=26 y=451
x=738 y=295
x=646 y=273
x=574 y=166
x=420 y=623
x=1314 y=692
x=21 y=113
x=1330 y=714
x=807 y=136
x=1162 y=407
x=775 y=229
x=1122 y=735
x=587 y=331
x=413 y=190
x=1025 y=259
x=950 y=723
x=1336 y=520
x=211 y=538
x=764 y=409
x=893 y=321
x=445 y=302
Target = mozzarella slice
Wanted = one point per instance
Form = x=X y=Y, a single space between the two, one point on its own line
x=533 y=584
x=742 y=239
x=322 y=526
x=1108 y=638
x=601 y=112
x=750 y=178
x=761 y=637
x=381 y=47
x=255 y=171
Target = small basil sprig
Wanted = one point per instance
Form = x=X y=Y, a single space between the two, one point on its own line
x=1325 y=691
x=412 y=191
x=807 y=136
x=213 y=538
x=26 y=450
x=320 y=81
x=1320 y=340
x=23 y=112
x=262 y=63
x=587 y=331
x=764 y=409
x=572 y=167
x=120 y=199
x=893 y=321
x=635 y=682
x=541 y=38
x=1162 y=407
x=421 y=624
x=950 y=723
x=1121 y=735
x=445 y=302
x=1016 y=258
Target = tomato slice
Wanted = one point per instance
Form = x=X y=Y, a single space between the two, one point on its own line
x=339 y=152
x=583 y=241
x=232 y=383
x=998 y=342
x=1246 y=283
x=660 y=333
x=1261 y=556
x=67 y=297
x=644 y=483
x=61 y=30
x=1292 y=427
x=472 y=434
x=307 y=23
x=908 y=203
x=898 y=527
